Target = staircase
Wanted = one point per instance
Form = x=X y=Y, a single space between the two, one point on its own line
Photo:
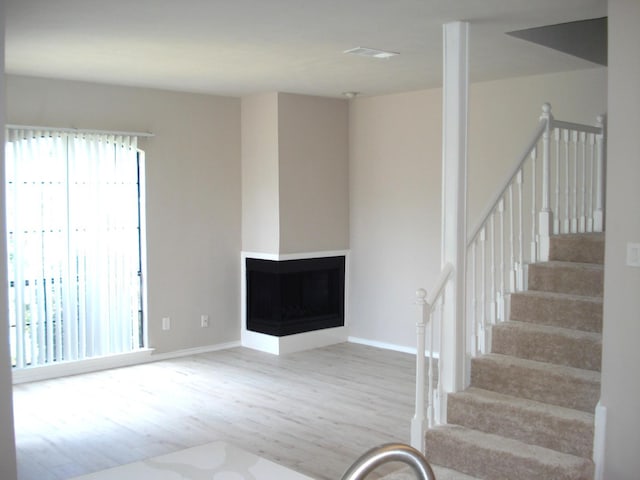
x=529 y=410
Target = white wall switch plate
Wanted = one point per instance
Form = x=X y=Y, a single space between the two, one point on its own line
x=633 y=254
x=166 y=323
x=204 y=321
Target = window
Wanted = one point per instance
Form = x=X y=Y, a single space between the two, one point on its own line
x=73 y=225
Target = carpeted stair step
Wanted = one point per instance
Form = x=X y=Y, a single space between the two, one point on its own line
x=555 y=384
x=557 y=309
x=493 y=457
x=543 y=343
x=567 y=277
x=582 y=248
x=562 y=429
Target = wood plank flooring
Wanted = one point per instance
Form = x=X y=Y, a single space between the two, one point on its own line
x=313 y=411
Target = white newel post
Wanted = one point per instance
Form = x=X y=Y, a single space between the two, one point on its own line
x=418 y=425
x=453 y=355
x=545 y=218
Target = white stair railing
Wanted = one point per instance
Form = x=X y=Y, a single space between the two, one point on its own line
x=564 y=158
x=431 y=316
x=555 y=187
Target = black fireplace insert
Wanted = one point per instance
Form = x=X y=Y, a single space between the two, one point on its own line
x=295 y=296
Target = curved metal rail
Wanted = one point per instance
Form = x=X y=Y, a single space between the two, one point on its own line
x=390 y=452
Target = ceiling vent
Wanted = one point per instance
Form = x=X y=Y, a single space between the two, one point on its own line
x=370 y=52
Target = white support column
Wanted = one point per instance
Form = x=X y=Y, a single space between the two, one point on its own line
x=545 y=217
x=454 y=203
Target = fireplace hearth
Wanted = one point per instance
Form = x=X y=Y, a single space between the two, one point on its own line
x=294 y=296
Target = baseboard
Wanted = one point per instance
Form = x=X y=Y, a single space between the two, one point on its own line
x=293 y=343
x=194 y=351
x=599 y=437
x=75 y=367
x=95 y=364
x=383 y=345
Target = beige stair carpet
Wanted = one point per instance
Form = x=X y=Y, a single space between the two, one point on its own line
x=528 y=413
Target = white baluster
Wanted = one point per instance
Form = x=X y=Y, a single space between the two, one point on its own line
x=500 y=298
x=483 y=291
x=492 y=270
x=430 y=395
x=565 y=142
x=582 y=221
x=574 y=190
x=545 y=219
x=590 y=193
x=512 y=244
x=418 y=421
x=556 y=216
x=473 y=311
x=534 y=211
x=520 y=268
x=598 y=215
x=439 y=397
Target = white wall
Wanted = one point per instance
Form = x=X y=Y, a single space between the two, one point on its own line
x=395 y=182
x=394 y=189
x=621 y=354
x=192 y=194
x=314 y=173
x=260 y=177
x=7 y=441
x=503 y=115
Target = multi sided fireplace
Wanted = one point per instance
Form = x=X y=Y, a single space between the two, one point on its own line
x=294 y=296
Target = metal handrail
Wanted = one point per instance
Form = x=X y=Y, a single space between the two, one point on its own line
x=390 y=452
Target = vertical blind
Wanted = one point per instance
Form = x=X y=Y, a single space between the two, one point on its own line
x=73 y=226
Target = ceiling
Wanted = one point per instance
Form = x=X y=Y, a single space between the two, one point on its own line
x=239 y=47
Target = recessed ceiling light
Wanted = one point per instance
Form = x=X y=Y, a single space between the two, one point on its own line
x=370 y=52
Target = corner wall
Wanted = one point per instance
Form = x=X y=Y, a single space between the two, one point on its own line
x=294 y=174
x=260 y=178
x=314 y=173
x=192 y=194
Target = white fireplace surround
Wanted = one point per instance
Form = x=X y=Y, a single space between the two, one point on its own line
x=300 y=341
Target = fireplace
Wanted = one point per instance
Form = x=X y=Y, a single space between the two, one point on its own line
x=294 y=296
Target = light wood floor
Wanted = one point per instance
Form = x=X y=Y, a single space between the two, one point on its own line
x=313 y=411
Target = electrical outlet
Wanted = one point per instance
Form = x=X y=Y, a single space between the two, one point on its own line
x=204 y=321
x=166 y=323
